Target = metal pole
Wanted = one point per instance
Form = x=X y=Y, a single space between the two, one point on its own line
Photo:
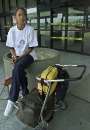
x=25 y=3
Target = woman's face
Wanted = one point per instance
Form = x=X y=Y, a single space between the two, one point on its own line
x=20 y=17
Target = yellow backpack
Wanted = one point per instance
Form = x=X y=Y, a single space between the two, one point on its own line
x=49 y=73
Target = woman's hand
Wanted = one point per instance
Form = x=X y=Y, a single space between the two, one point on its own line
x=14 y=58
x=13 y=55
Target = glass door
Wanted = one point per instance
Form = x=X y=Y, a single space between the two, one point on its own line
x=87 y=32
x=75 y=30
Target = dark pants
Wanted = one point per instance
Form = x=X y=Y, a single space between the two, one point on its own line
x=19 y=79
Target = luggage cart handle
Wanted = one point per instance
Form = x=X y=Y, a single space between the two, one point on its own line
x=76 y=78
x=48 y=82
x=84 y=70
x=70 y=65
x=63 y=80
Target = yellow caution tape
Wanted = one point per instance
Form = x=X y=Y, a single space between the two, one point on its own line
x=7 y=26
x=67 y=38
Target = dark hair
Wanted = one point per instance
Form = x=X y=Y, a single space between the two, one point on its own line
x=23 y=9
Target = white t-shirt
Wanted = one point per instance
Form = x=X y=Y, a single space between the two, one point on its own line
x=20 y=40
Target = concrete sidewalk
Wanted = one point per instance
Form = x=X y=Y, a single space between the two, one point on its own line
x=76 y=117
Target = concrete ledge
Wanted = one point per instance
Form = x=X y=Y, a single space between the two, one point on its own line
x=45 y=56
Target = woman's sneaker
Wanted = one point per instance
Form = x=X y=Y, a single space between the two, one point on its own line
x=9 y=108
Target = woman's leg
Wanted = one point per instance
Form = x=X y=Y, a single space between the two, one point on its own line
x=19 y=77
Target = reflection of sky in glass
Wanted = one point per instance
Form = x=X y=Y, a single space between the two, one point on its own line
x=31 y=10
x=89 y=16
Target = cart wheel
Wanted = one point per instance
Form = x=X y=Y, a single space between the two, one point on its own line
x=49 y=116
x=42 y=126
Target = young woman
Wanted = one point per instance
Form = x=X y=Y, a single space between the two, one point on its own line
x=21 y=40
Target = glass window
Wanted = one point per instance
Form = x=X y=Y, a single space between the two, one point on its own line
x=13 y=5
x=75 y=29
x=0 y=6
x=32 y=17
x=21 y=3
x=2 y=29
x=31 y=3
x=6 y=6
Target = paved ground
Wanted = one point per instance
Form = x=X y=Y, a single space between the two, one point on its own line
x=76 y=117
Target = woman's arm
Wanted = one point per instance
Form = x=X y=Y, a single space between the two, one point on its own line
x=27 y=51
x=13 y=53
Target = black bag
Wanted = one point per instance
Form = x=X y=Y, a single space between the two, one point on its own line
x=62 y=87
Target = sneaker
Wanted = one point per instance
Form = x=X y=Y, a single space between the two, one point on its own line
x=20 y=94
x=9 y=108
